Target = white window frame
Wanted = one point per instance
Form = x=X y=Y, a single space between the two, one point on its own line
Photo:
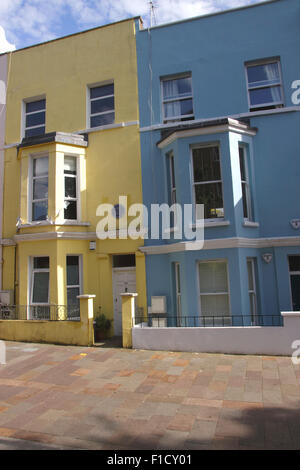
x=294 y=273
x=253 y=292
x=276 y=104
x=77 y=199
x=30 y=189
x=170 y=100
x=89 y=101
x=39 y=270
x=224 y=261
x=24 y=114
x=195 y=147
x=246 y=183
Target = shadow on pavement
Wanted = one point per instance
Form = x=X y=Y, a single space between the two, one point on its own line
x=114 y=342
x=269 y=428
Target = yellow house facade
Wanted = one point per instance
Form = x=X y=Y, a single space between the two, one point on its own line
x=72 y=144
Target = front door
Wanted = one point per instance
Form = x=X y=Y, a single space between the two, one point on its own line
x=123 y=281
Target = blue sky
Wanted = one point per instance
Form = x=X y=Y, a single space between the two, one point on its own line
x=27 y=22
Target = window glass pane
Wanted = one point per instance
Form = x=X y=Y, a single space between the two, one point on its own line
x=250 y=275
x=40 y=287
x=35 y=131
x=295 y=286
x=214 y=305
x=242 y=163
x=70 y=165
x=99 y=91
x=177 y=271
x=211 y=196
x=102 y=120
x=70 y=187
x=186 y=107
x=39 y=210
x=100 y=106
x=72 y=293
x=294 y=263
x=245 y=202
x=123 y=261
x=35 y=119
x=177 y=87
x=206 y=163
x=70 y=211
x=72 y=270
x=265 y=95
x=41 y=262
x=40 y=188
x=213 y=277
x=73 y=302
x=264 y=74
x=35 y=106
x=40 y=166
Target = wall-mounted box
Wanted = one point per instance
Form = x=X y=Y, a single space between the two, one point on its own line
x=159 y=304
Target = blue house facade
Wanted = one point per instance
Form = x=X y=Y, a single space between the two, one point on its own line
x=219 y=126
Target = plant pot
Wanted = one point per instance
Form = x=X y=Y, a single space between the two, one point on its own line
x=100 y=334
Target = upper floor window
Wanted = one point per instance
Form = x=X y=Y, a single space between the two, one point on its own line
x=177 y=99
x=264 y=85
x=35 y=118
x=102 y=105
x=171 y=184
x=39 y=184
x=246 y=195
x=208 y=181
x=70 y=177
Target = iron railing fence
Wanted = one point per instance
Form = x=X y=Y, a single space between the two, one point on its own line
x=39 y=312
x=159 y=320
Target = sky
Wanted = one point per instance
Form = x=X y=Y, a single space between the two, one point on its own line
x=27 y=22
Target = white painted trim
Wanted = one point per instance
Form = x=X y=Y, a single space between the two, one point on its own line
x=222 y=243
x=109 y=126
x=233 y=126
x=288 y=109
x=248 y=223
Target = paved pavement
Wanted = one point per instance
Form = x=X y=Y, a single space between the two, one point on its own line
x=111 y=398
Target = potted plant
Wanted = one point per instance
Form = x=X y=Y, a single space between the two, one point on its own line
x=102 y=327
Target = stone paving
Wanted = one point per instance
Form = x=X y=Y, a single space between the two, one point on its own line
x=112 y=398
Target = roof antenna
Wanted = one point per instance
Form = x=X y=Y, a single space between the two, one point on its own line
x=152 y=6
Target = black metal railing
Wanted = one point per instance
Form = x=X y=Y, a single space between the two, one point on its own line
x=39 y=312
x=164 y=320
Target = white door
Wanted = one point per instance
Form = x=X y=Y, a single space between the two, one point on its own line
x=123 y=281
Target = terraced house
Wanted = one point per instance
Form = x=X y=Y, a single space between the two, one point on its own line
x=219 y=127
x=71 y=144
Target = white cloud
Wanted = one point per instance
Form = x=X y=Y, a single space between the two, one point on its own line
x=31 y=21
x=5 y=46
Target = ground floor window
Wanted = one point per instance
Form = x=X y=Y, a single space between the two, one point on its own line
x=39 y=295
x=178 y=293
x=294 y=267
x=73 y=286
x=252 y=288
x=214 y=295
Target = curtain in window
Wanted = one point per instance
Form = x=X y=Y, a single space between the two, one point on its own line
x=171 y=90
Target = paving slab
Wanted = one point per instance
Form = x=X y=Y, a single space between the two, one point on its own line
x=55 y=397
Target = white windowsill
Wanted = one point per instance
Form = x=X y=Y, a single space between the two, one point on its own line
x=248 y=223
x=47 y=223
x=216 y=223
